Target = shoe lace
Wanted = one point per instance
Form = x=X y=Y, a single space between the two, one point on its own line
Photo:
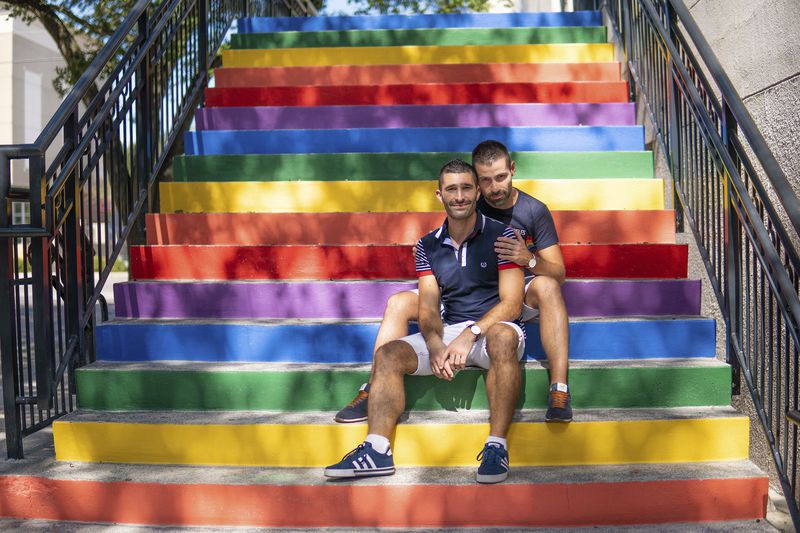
x=489 y=453
x=558 y=399
x=360 y=397
x=355 y=451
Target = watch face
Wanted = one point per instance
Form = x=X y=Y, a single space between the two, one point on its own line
x=475 y=329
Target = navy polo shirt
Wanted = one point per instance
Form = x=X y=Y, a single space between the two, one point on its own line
x=468 y=276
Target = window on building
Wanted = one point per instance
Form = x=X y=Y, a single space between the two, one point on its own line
x=21 y=213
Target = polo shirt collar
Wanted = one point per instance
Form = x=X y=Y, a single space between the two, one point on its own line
x=444 y=235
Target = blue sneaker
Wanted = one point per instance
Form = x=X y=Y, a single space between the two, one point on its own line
x=355 y=411
x=559 y=404
x=364 y=461
x=494 y=463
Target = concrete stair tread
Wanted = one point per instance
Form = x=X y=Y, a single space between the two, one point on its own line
x=527 y=416
x=200 y=366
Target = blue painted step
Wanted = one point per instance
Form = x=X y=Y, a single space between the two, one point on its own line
x=352 y=343
x=404 y=140
x=392 y=22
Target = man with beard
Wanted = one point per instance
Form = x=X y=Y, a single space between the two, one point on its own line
x=481 y=295
x=536 y=248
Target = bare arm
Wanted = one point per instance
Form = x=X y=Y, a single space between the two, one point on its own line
x=431 y=326
x=549 y=261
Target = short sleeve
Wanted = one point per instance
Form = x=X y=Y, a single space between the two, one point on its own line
x=421 y=259
x=544 y=230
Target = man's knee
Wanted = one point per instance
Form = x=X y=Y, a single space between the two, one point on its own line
x=395 y=357
x=542 y=289
x=502 y=341
x=402 y=305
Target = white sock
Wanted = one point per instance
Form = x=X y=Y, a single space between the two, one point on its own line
x=561 y=387
x=379 y=443
x=498 y=440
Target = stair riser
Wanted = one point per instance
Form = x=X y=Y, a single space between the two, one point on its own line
x=451 y=445
x=405 y=506
x=475 y=20
x=353 y=343
x=394 y=196
x=414 y=116
x=400 y=166
x=404 y=55
x=599 y=92
x=388 y=228
x=637 y=261
x=328 y=390
x=399 y=74
x=539 y=139
x=427 y=37
x=368 y=300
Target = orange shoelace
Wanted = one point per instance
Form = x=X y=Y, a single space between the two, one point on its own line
x=360 y=397
x=559 y=399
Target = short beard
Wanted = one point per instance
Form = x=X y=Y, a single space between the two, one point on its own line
x=497 y=203
x=460 y=216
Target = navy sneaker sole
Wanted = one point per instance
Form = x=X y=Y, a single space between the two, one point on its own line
x=488 y=479
x=349 y=420
x=342 y=473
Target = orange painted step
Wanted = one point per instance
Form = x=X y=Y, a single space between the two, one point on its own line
x=388 y=228
x=618 y=261
x=596 y=92
x=350 y=505
x=398 y=74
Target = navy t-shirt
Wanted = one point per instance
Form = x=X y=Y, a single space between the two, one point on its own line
x=468 y=276
x=530 y=216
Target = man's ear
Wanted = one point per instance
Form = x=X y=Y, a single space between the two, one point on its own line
x=439 y=196
x=512 y=167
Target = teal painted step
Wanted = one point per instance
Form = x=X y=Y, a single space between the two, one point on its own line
x=307 y=342
x=403 y=166
x=420 y=37
x=254 y=386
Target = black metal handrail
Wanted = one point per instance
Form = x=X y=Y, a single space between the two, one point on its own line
x=707 y=136
x=91 y=174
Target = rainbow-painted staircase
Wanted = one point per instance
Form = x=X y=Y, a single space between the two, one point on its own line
x=288 y=224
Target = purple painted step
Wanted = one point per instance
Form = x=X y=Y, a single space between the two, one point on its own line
x=367 y=299
x=415 y=116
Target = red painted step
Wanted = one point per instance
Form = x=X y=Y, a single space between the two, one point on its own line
x=431 y=93
x=610 y=227
x=399 y=74
x=624 y=261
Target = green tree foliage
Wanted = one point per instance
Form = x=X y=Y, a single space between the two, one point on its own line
x=369 y=7
x=79 y=28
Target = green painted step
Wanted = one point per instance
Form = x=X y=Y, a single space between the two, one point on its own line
x=420 y=37
x=203 y=386
x=400 y=166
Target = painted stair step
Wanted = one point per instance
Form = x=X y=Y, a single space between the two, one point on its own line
x=592 y=298
x=413 y=166
x=420 y=37
x=399 y=74
x=610 y=227
x=597 y=92
x=413 y=498
x=531 y=139
x=132 y=341
x=451 y=20
x=415 y=116
x=394 y=196
x=403 y=55
x=427 y=439
x=204 y=262
x=255 y=387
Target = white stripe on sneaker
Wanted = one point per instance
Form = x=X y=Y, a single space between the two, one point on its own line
x=371 y=462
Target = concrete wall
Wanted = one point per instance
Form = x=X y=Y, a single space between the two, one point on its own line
x=758 y=45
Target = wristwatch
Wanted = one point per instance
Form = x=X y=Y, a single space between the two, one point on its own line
x=532 y=262
x=474 y=328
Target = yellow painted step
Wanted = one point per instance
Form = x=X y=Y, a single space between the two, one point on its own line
x=393 y=196
x=404 y=55
x=300 y=445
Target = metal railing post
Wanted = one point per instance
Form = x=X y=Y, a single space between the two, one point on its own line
x=8 y=334
x=627 y=39
x=733 y=257
x=41 y=271
x=144 y=124
x=675 y=162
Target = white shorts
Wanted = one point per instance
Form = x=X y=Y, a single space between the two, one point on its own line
x=477 y=355
x=528 y=313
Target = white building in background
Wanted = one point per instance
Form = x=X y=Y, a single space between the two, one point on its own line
x=28 y=62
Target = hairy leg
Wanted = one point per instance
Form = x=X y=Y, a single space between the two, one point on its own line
x=544 y=294
x=387 y=396
x=503 y=378
x=401 y=308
